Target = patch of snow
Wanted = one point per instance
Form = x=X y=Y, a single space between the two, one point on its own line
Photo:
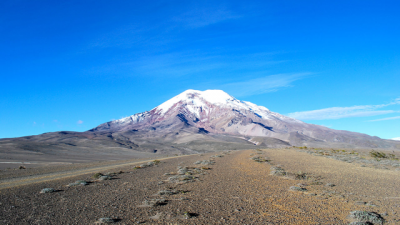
x=201 y=100
x=138 y=117
x=396 y=139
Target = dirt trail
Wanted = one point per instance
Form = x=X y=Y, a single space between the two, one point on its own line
x=14 y=182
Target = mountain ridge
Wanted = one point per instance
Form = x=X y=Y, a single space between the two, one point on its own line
x=192 y=122
x=218 y=112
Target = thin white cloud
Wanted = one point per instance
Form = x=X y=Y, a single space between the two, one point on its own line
x=344 y=112
x=187 y=63
x=262 y=85
x=204 y=17
x=388 y=118
x=79 y=122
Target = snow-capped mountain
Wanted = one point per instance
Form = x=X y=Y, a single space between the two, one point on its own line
x=396 y=139
x=192 y=122
x=213 y=110
x=216 y=112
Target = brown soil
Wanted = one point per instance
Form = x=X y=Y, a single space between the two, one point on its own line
x=236 y=190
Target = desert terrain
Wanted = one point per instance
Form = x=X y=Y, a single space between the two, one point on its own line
x=265 y=186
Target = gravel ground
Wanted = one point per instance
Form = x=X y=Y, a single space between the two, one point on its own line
x=234 y=190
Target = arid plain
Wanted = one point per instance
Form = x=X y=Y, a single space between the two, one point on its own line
x=264 y=186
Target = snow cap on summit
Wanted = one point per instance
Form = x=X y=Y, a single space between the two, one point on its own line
x=211 y=96
x=214 y=97
x=201 y=104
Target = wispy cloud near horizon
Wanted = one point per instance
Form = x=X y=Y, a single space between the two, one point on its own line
x=388 y=118
x=345 y=112
x=262 y=85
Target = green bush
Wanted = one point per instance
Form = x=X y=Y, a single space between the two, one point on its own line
x=377 y=155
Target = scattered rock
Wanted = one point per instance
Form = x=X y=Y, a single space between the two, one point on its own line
x=47 y=190
x=105 y=177
x=360 y=203
x=106 y=220
x=294 y=188
x=188 y=215
x=157 y=216
x=78 y=182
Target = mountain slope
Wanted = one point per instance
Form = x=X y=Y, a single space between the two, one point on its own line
x=216 y=112
x=191 y=122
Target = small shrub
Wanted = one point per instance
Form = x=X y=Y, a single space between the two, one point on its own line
x=207 y=162
x=181 y=179
x=47 y=190
x=377 y=155
x=260 y=159
x=277 y=171
x=156 y=162
x=315 y=183
x=300 y=176
x=21 y=167
x=167 y=192
x=97 y=175
x=392 y=157
x=364 y=216
x=183 y=171
x=154 y=202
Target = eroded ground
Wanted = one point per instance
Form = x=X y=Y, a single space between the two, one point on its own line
x=218 y=188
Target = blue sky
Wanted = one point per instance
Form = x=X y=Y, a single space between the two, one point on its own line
x=76 y=64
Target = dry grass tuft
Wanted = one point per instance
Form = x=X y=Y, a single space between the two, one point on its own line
x=97 y=175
